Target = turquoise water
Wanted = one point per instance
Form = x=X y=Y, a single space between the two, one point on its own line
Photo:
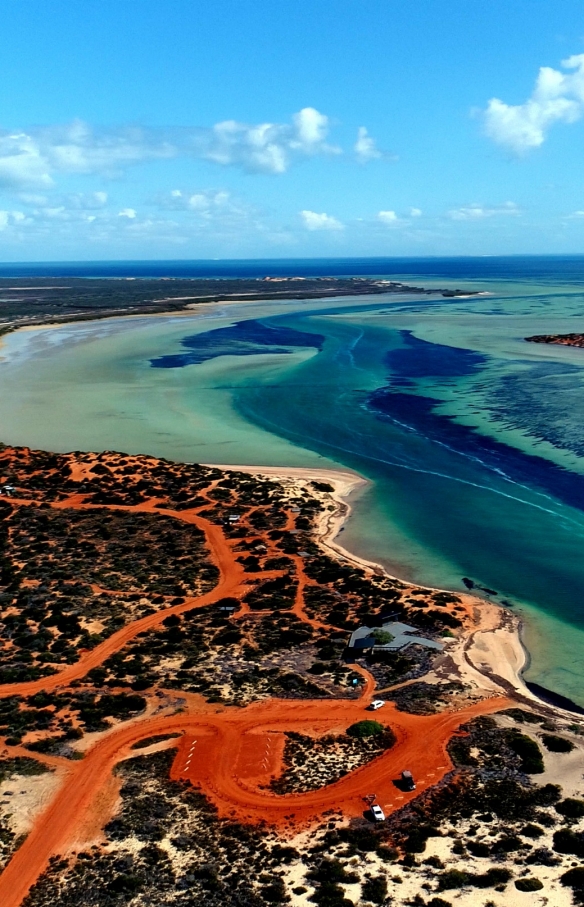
x=473 y=439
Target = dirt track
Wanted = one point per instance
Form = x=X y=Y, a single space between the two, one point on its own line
x=229 y=752
x=228 y=745
x=230 y=576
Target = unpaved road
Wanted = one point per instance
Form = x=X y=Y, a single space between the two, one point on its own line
x=229 y=752
x=217 y=741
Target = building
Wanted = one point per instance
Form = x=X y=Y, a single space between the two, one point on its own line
x=403 y=635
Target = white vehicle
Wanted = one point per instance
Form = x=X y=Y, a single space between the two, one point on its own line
x=376 y=704
x=377 y=813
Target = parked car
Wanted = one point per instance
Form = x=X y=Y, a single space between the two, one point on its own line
x=408 y=780
x=377 y=813
x=376 y=704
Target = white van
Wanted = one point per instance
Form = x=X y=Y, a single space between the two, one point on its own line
x=376 y=704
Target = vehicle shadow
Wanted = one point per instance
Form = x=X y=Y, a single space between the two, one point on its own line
x=404 y=786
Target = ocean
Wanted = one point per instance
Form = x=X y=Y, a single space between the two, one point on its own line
x=473 y=439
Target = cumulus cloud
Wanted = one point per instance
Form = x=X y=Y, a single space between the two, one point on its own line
x=480 y=212
x=314 y=221
x=31 y=160
x=127 y=212
x=387 y=217
x=365 y=147
x=267 y=147
x=558 y=97
x=415 y=212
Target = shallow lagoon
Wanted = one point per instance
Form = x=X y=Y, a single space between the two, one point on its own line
x=437 y=510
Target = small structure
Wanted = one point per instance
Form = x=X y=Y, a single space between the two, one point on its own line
x=393 y=637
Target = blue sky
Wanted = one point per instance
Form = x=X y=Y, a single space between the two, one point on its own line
x=259 y=128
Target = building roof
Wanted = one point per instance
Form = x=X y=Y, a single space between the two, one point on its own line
x=403 y=635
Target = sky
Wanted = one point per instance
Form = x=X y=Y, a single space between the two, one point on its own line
x=183 y=129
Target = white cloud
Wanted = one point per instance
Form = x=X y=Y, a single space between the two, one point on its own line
x=12 y=218
x=558 y=97
x=268 y=147
x=215 y=205
x=32 y=159
x=314 y=221
x=415 y=212
x=480 y=212
x=127 y=212
x=387 y=217
x=21 y=162
x=365 y=147
x=311 y=126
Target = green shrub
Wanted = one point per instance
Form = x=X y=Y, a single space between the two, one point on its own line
x=365 y=728
x=275 y=892
x=333 y=871
x=568 y=841
x=508 y=844
x=478 y=848
x=359 y=838
x=387 y=854
x=571 y=808
x=453 y=878
x=574 y=878
x=522 y=716
x=556 y=744
x=375 y=890
x=498 y=875
x=528 y=751
x=528 y=885
x=331 y=895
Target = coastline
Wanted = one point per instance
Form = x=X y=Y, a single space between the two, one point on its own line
x=506 y=660
x=492 y=657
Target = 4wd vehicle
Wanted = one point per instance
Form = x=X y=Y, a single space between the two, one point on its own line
x=377 y=813
x=408 y=781
x=376 y=704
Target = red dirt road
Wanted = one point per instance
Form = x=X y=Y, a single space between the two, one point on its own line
x=218 y=744
x=229 y=584
x=229 y=753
